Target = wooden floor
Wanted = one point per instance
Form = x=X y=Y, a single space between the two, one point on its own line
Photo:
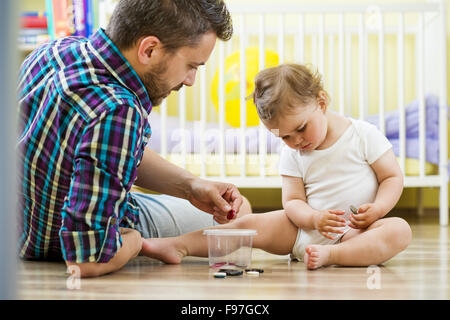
x=420 y=272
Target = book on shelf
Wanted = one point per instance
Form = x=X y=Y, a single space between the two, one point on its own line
x=32 y=35
x=62 y=18
x=33 y=22
x=79 y=18
x=88 y=13
x=85 y=17
x=33 y=29
x=59 y=18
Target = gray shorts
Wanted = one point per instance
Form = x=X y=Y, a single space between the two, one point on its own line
x=162 y=216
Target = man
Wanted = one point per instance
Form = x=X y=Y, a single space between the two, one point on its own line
x=84 y=105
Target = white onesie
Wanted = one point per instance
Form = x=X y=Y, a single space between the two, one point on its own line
x=336 y=177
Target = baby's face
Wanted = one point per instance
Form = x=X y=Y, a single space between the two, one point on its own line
x=305 y=128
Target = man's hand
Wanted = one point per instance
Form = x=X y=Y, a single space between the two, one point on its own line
x=216 y=198
x=367 y=214
x=329 y=221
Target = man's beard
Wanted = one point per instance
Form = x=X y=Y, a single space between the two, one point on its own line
x=157 y=88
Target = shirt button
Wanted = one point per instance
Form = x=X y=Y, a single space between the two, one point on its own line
x=113 y=220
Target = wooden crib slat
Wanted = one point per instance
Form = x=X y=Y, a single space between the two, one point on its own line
x=202 y=79
x=321 y=62
x=420 y=93
x=443 y=146
x=164 y=129
x=262 y=42
x=301 y=39
x=182 y=123
x=341 y=64
x=381 y=79
x=222 y=108
x=348 y=73
x=242 y=94
x=331 y=67
x=281 y=35
x=262 y=132
x=401 y=89
x=362 y=66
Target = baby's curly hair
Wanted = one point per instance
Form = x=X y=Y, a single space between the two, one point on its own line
x=281 y=88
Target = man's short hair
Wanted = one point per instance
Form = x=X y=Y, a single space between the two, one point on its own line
x=176 y=23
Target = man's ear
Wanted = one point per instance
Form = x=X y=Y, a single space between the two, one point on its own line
x=322 y=99
x=148 y=49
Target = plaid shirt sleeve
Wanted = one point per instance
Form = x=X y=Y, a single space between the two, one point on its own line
x=104 y=171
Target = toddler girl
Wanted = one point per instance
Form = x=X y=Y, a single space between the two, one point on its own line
x=330 y=162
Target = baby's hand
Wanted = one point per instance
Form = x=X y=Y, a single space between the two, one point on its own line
x=329 y=221
x=367 y=214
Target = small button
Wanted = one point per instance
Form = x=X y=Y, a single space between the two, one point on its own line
x=220 y=274
x=113 y=220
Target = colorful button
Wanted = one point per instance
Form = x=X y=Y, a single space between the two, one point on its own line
x=220 y=274
x=255 y=269
x=354 y=210
x=231 y=272
x=231 y=214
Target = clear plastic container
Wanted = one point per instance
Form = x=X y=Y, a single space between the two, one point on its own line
x=229 y=248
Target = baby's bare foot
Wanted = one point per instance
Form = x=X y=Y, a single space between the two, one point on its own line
x=316 y=256
x=163 y=249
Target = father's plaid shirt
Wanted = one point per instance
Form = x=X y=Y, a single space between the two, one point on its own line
x=83 y=130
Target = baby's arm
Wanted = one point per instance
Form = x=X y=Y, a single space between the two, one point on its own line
x=390 y=180
x=305 y=217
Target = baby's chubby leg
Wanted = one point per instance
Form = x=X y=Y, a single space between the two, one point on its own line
x=275 y=234
x=382 y=240
x=245 y=209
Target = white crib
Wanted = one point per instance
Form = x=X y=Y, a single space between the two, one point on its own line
x=374 y=59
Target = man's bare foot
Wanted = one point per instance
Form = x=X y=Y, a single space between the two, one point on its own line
x=316 y=256
x=163 y=249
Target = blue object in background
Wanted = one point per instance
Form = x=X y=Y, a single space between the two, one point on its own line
x=49 y=10
x=89 y=17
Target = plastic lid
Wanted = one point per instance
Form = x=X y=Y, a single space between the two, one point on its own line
x=230 y=232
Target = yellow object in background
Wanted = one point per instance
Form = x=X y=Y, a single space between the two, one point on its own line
x=232 y=84
x=412 y=167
